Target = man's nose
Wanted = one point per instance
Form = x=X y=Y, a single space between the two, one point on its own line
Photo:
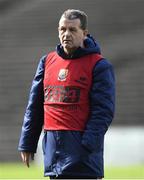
x=67 y=33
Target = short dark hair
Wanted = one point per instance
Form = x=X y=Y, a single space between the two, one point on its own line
x=76 y=14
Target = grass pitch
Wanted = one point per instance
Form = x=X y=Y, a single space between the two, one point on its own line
x=20 y=171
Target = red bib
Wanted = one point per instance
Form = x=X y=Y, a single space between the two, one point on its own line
x=67 y=84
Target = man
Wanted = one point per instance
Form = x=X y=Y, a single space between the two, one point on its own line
x=72 y=98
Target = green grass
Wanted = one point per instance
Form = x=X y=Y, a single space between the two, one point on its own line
x=128 y=172
x=19 y=171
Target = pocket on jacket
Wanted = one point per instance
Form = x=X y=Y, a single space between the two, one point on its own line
x=78 y=139
x=77 y=136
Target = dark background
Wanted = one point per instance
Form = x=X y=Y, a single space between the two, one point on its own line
x=28 y=30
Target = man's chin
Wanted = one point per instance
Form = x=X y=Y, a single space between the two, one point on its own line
x=67 y=46
x=69 y=50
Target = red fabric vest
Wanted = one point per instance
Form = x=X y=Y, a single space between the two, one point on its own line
x=67 y=85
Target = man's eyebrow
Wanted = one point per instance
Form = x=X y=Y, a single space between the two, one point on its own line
x=70 y=27
x=61 y=27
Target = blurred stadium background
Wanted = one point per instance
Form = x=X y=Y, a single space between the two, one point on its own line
x=28 y=30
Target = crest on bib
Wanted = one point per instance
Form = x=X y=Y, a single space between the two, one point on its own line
x=63 y=73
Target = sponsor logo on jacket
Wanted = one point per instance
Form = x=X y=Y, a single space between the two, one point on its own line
x=68 y=94
x=63 y=73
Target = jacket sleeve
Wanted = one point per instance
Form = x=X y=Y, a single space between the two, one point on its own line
x=34 y=114
x=102 y=105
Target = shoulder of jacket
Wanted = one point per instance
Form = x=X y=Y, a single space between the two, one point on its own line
x=45 y=57
x=102 y=65
x=51 y=54
x=42 y=59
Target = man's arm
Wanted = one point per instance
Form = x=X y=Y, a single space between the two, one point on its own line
x=34 y=115
x=102 y=105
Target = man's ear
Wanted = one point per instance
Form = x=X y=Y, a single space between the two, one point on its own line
x=85 y=32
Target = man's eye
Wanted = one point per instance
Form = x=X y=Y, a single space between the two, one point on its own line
x=73 y=30
x=62 y=29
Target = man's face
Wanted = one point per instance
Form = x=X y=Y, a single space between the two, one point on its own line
x=70 y=34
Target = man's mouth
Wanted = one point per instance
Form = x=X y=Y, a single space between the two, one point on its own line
x=66 y=41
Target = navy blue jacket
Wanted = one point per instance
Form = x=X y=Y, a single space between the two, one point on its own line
x=72 y=152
